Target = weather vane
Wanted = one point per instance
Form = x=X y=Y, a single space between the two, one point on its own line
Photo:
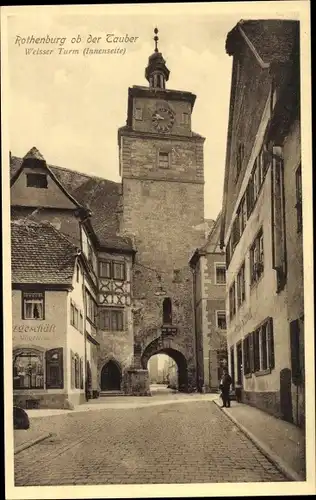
x=156 y=39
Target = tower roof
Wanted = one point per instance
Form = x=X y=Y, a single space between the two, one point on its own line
x=156 y=63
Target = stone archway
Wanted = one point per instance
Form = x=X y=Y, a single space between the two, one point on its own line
x=166 y=347
x=111 y=376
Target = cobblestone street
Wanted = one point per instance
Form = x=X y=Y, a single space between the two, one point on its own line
x=183 y=442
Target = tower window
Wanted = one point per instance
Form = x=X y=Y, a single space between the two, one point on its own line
x=185 y=118
x=138 y=114
x=163 y=160
x=157 y=81
x=36 y=180
x=167 y=311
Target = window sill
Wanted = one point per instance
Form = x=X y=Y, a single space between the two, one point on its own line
x=33 y=319
x=112 y=279
x=248 y=375
x=111 y=331
x=262 y=373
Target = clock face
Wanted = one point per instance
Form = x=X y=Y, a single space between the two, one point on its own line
x=163 y=119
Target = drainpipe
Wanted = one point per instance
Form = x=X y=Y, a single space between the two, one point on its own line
x=195 y=330
x=85 y=336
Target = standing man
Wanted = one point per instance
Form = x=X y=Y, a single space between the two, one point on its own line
x=225 y=384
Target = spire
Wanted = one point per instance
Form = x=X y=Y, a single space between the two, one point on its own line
x=157 y=73
x=156 y=39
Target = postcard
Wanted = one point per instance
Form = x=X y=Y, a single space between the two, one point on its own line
x=157 y=256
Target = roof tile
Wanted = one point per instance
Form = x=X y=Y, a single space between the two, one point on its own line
x=41 y=254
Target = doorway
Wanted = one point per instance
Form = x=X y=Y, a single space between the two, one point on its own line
x=111 y=377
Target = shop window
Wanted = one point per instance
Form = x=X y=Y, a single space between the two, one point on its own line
x=33 y=305
x=28 y=371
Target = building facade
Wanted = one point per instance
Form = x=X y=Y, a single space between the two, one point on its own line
x=51 y=354
x=262 y=218
x=209 y=292
x=161 y=164
x=133 y=285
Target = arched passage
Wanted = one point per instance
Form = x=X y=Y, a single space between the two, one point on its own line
x=111 y=376
x=176 y=355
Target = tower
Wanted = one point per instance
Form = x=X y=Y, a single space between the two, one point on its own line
x=161 y=164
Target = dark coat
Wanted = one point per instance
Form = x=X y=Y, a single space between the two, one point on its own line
x=226 y=382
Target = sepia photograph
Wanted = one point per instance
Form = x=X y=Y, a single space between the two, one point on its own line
x=157 y=250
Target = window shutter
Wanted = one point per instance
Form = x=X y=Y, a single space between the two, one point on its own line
x=249 y=198
x=271 y=344
x=72 y=374
x=228 y=254
x=251 y=351
x=81 y=373
x=295 y=351
x=256 y=339
x=245 y=356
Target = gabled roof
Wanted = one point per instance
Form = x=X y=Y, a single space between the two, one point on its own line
x=212 y=242
x=272 y=43
x=101 y=196
x=35 y=155
x=269 y=40
x=41 y=254
x=213 y=238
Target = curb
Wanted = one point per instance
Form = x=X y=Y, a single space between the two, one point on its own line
x=285 y=469
x=28 y=444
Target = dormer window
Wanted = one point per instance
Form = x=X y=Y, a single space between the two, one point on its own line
x=36 y=181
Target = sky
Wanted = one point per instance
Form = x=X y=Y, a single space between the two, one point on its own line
x=71 y=106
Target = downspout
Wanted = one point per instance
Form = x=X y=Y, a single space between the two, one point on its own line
x=87 y=214
x=85 y=335
x=195 y=330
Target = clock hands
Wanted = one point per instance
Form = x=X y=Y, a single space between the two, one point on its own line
x=159 y=117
